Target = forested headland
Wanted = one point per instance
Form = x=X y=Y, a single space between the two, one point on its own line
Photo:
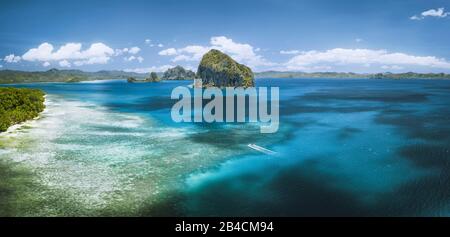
x=18 y=105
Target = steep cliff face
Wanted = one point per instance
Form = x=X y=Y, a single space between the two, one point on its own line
x=220 y=70
x=178 y=73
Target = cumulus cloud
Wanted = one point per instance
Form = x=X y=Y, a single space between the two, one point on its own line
x=435 y=13
x=160 y=45
x=97 y=53
x=12 y=58
x=73 y=54
x=289 y=52
x=358 y=40
x=148 y=41
x=132 y=58
x=64 y=63
x=118 y=52
x=393 y=67
x=243 y=53
x=94 y=60
x=149 y=69
x=361 y=57
x=168 y=52
x=134 y=50
x=131 y=51
x=439 y=13
x=190 y=53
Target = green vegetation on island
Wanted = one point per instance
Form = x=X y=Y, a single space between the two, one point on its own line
x=18 y=105
x=153 y=78
x=178 y=73
x=213 y=63
x=220 y=70
x=410 y=75
x=292 y=74
x=55 y=75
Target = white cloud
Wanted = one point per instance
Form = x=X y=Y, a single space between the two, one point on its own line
x=289 y=52
x=134 y=50
x=119 y=52
x=168 y=52
x=41 y=53
x=358 y=40
x=149 y=69
x=46 y=64
x=1 y=66
x=12 y=58
x=361 y=57
x=97 y=53
x=96 y=60
x=393 y=67
x=439 y=13
x=149 y=43
x=64 y=63
x=243 y=53
x=132 y=58
x=190 y=53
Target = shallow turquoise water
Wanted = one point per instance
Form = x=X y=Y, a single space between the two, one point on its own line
x=345 y=148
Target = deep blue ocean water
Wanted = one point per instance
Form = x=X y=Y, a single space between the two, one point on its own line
x=344 y=148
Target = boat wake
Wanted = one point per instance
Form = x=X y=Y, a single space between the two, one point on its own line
x=262 y=149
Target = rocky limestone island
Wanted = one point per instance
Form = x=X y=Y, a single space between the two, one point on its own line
x=153 y=78
x=178 y=73
x=220 y=70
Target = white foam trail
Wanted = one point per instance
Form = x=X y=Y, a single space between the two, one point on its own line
x=262 y=149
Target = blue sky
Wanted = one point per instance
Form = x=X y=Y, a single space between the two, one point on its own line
x=142 y=36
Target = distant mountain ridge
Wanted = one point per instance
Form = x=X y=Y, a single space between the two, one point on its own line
x=351 y=75
x=55 y=75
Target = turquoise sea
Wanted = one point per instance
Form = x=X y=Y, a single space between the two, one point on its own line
x=344 y=148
